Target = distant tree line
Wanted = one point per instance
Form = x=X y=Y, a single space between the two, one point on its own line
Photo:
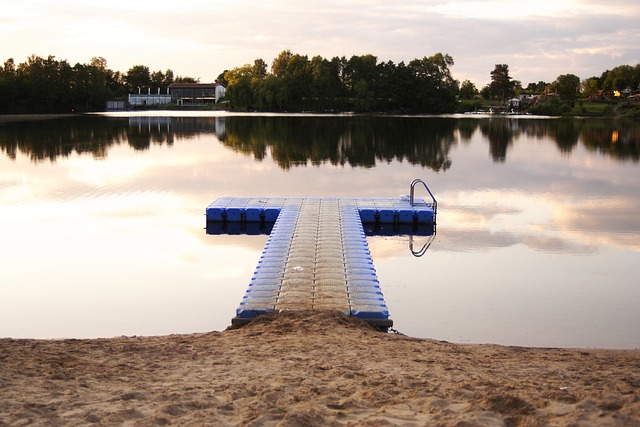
x=297 y=83
x=48 y=85
x=566 y=95
x=567 y=86
x=360 y=83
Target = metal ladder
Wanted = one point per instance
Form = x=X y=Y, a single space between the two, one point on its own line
x=433 y=204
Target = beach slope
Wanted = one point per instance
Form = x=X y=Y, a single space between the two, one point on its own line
x=312 y=368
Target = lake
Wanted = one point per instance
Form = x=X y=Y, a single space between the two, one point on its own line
x=537 y=242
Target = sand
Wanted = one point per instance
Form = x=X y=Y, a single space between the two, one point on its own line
x=312 y=368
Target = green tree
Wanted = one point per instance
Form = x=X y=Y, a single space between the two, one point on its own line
x=280 y=65
x=259 y=69
x=107 y=84
x=160 y=80
x=387 y=81
x=8 y=87
x=116 y=83
x=622 y=77
x=435 y=87
x=44 y=85
x=468 y=90
x=501 y=84
x=405 y=99
x=296 y=74
x=591 y=88
x=221 y=78
x=363 y=96
x=269 y=93
x=568 y=88
x=517 y=87
x=298 y=80
x=89 y=88
x=360 y=80
x=186 y=79
x=485 y=92
x=536 y=88
x=138 y=79
x=326 y=87
x=360 y=68
x=239 y=89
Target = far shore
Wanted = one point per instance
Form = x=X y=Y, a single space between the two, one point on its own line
x=10 y=118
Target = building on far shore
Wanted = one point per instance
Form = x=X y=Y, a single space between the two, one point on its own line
x=181 y=94
x=196 y=93
x=117 y=105
x=145 y=99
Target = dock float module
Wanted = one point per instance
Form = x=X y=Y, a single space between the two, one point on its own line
x=316 y=256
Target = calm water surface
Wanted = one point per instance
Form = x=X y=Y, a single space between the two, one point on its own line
x=537 y=244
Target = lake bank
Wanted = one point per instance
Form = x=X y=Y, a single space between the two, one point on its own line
x=11 y=118
x=313 y=368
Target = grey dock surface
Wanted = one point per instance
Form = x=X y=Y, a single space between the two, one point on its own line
x=317 y=256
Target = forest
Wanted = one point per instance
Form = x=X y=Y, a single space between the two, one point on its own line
x=47 y=85
x=360 y=84
x=293 y=82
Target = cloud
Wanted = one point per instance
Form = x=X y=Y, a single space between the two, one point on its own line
x=539 y=41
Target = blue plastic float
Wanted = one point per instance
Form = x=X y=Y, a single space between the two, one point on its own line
x=317 y=256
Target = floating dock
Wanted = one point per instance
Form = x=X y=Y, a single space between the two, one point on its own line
x=316 y=256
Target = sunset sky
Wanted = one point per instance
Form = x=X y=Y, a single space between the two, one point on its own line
x=539 y=40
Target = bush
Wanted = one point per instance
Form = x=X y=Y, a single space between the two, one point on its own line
x=629 y=109
x=552 y=107
x=469 y=105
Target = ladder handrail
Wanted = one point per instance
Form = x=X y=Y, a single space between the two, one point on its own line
x=411 y=194
x=424 y=248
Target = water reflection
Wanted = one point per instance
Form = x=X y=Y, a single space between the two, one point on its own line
x=537 y=221
x=408 y=232
x=356 y=141
x=361 y=141
x=527 y=201
x=417 y=250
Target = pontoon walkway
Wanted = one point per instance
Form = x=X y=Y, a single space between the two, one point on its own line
x=317 y=256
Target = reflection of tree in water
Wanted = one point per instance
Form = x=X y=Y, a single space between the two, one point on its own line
x=356 y=141
x=50 y=139
x=47 y=140
x=620 y=140
x=503 y=132
x=466 y=129
x=340 y=140
x=500 y=134
x=566 y=134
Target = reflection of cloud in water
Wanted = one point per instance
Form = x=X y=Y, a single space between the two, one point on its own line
x=86 y=170
x=475 y=214
x=253 y=243
x=557 y=245
x=547 y=222
x=483 y=240
x=472 y=240
x=607 y=222
x=566 y=227
x=387 y=247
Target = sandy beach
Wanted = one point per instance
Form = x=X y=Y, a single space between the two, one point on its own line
x=312 y=368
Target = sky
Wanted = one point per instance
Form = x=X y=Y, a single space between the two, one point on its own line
x=539 y=40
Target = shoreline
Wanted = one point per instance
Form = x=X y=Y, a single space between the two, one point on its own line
x=13 y=118
x=312 y=368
